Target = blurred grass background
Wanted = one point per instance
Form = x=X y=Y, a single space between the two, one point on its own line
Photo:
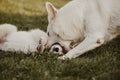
x=102 y=63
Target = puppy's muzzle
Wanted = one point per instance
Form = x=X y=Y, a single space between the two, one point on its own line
x=58 y=48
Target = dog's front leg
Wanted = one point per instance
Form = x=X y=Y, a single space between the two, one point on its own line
x=89 y=43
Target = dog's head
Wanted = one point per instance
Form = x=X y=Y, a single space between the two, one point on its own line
x=63 y=32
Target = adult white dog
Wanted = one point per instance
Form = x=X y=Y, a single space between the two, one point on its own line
x=83 y=25
x=13 y=40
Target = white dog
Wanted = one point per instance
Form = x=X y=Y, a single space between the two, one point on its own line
x=13 y=40
x=83 y=25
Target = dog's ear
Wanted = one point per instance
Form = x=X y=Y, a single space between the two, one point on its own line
x=52 y=11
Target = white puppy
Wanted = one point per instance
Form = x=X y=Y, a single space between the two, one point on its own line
x=13 y=40
x=83 y=25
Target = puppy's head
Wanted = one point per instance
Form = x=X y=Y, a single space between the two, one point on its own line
x=57 y=49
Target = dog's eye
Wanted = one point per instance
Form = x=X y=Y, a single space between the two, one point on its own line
x=58 y=35
x=48 y=34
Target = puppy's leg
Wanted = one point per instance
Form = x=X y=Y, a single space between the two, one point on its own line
x=40 y=46
x=88 y=44
x=2 y=38
x=6 y=29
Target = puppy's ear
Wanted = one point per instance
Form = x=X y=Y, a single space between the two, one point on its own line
x=52 y=11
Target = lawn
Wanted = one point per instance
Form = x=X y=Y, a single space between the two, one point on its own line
x=102 y=63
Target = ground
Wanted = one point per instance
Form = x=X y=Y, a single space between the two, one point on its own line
x=102 y=63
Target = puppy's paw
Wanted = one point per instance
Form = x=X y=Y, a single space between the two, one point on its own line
x=40 y=47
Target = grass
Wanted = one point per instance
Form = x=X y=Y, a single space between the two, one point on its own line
x=102 y=63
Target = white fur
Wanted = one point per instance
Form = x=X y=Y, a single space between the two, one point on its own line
x=13 y=40
x=91 y=22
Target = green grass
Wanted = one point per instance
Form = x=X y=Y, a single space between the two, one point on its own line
x=102 y=63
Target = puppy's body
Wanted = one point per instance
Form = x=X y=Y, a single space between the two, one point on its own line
x=13 y=40
x=89 y=22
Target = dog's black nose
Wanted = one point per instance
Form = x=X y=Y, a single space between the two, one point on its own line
x=56 y=49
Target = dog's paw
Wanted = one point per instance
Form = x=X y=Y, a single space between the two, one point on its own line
x=64 y=57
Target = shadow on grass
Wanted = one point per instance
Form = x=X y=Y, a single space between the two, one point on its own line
x=24 y=22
